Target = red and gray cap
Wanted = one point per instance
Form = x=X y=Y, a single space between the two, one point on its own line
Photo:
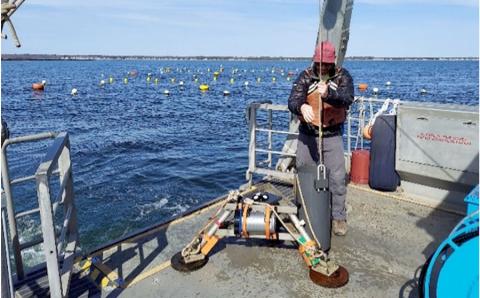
x=324 y=52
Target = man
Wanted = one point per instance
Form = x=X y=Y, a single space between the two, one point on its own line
x=335 y=86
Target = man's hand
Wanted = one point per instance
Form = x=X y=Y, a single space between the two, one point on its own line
x=323 y=89
x=307 y=112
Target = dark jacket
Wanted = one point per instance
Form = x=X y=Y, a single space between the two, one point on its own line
x=341 y=97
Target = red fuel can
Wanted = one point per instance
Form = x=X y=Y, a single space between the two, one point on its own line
x=359 y=170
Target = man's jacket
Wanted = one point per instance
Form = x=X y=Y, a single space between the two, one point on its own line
x=340 y=95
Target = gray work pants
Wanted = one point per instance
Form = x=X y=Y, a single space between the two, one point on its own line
x=307 y=153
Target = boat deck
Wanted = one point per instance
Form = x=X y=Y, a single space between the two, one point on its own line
x=387 y=243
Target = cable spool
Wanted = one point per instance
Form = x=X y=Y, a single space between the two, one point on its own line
x=455 y=262
x=254 y=222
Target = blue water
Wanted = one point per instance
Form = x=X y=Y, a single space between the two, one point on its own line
x=140 y=156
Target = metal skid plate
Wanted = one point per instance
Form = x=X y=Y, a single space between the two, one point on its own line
x=337 y=279
x=178 y=263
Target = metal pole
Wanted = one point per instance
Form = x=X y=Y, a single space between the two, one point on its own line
x=251 y=148
x=48 y=230
x=7 y=283
x=270 y=138
x=12 y=223
x=349 y=133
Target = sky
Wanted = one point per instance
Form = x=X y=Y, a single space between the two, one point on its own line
x=382 y=28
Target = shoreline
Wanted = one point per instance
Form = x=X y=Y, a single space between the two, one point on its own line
x=54 y=57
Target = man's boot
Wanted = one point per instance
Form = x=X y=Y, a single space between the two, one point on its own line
x=339 y=227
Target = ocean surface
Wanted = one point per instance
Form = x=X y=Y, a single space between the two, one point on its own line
x=140 y=157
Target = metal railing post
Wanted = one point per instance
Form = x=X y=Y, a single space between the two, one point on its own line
x=12 y=223
x=48 y=231
x=349 y=134
x=7 y=283
x=64 y=164
x=252 y=126
x=270 y=138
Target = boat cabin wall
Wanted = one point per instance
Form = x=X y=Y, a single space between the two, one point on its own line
x=437 y=152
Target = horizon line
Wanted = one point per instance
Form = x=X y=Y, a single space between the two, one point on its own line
x=8 y=56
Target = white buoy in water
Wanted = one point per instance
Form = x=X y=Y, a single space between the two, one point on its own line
x=74 y=91
x=166 y=92
x=226 y=93
x=423 y=91
x=375 y=90
x=180 y=83
x=246 y=83
x=102 y=82
x=388 y=83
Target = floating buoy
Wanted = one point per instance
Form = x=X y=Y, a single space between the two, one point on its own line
x=288 y=78
x=362 y=87
x=246 y=83
x=155 y=81
x=125 y=80
x=367 y=132
x=216 y=74
x=226 y=93
x=166 y=92
x=232 y=81
x=74 y=91
x=172 y=80
x=214 y=78
x=180 y=83
x=102 y=83
x=39 y=86
x=258 y=80
x=110 y=80
x=196 y=80
x=203 y=87
x=388 y=83
x=423 y=91
x=274 y=79
x=375 y=90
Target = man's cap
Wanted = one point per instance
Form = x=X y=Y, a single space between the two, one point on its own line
x=324 y=52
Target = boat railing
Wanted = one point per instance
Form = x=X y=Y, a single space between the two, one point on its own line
x=358 y=116
x=59 y=246
x=254 y=128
